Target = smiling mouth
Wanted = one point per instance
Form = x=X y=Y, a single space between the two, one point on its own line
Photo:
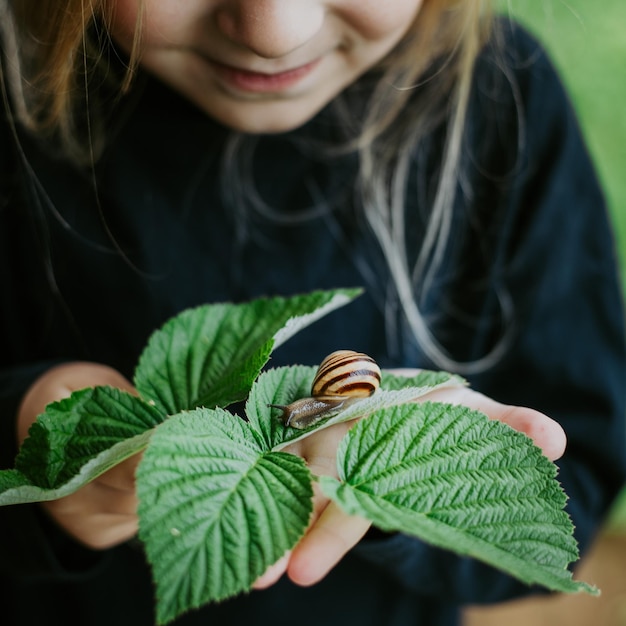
x=259 y=82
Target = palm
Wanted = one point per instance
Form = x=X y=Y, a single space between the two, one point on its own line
x=332 y=532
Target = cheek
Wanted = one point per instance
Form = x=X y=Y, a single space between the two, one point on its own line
x=377 y=19
x=124 y=15
x=161 y=19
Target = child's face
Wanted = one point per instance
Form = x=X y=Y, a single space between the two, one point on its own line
x=263 y=65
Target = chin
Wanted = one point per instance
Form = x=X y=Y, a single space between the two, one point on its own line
x=264 y=119
x=253 y=127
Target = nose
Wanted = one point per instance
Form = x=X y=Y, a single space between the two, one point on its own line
x=270 y=28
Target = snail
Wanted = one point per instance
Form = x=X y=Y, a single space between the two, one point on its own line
x=343 y=376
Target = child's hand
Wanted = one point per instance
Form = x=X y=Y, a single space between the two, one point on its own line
x=104 y=512
x=333 y=533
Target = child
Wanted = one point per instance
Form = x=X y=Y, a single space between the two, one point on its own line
x=158 y=154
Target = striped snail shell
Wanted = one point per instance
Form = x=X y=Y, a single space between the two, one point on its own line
x=342 y=377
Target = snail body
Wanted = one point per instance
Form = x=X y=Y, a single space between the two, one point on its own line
x=308 y=411
x=343 y=377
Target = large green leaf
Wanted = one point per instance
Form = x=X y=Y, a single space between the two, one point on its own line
x=216 y=510
x=424 y=380
x=283 y=385
x=15 y=488
x=74 y=431
x=209 y=356
x=457 y=480
x=279 y=385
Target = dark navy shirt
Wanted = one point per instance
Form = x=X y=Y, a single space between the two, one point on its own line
x=88 y=271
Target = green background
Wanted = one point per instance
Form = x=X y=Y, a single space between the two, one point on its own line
x=587 y=42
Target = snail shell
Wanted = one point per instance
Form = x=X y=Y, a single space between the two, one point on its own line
x=342 y=377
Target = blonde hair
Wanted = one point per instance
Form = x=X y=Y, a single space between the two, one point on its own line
x=51 y=55
x=447 y=37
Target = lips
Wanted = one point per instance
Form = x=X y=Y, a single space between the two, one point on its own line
x=260 y=82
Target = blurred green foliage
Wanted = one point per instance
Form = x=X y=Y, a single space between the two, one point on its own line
x=586 y=42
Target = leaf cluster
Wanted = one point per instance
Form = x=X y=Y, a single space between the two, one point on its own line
x=220 y=499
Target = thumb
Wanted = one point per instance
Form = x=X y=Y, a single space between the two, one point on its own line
x=60 y=382
x=121 y=477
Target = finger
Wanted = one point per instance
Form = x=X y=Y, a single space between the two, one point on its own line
x=95 y=499
x=87 y=374
x=327 y=541
x=60 y=382
x=272 y=574
x=122 y=476
x=101 y=531
x=546 y=433
x=94 y=519
x=108 y=531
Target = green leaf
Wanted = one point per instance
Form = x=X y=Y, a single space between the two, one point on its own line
x=209 y=356
x=74 y=431
x=215 y=509
x=15 y=488
x=280 y=385
x=12 y=479
x=301 y=311
x=426 y=380
x=455 y=479
x=283 y=385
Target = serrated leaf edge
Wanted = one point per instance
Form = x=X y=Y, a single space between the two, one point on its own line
x=96 y=466
x=352 y=501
